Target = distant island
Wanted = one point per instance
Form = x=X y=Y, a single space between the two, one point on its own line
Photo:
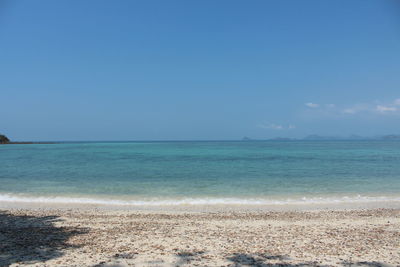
x=391 y=137
x=351 y=137
x=315 y=137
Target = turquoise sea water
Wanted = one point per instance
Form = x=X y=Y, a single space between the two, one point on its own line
x=258 y=172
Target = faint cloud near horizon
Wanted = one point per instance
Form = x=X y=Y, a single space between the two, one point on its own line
x=273 y=126
x=387 y=108
x=380 y=108
x=312 y=105
x=384 y=109
x=355 y=109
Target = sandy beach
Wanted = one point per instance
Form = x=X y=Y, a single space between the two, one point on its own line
x=103 y=237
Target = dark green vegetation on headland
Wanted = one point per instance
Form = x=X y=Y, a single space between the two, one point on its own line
x=4 y=139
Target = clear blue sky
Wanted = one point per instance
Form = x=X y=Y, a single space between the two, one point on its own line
x=161 y=70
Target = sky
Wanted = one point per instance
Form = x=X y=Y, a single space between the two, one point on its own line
x=198 y=70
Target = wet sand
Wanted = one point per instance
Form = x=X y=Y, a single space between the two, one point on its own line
x=104 y=237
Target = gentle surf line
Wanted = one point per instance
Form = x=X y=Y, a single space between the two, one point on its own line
x=197 y=201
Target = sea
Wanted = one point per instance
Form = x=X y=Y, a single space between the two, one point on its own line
x=201 y=172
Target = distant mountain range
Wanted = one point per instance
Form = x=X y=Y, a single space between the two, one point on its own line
x=315 y=137
x=352 y=137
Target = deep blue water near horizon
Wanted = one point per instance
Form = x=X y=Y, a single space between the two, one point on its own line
x=190 y=171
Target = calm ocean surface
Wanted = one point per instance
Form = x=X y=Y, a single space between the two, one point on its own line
x=259 y=172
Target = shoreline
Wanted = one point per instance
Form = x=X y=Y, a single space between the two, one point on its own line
x=214 y=208
x=196 y=206
x=90 y=236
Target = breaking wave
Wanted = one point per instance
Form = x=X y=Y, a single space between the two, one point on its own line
x=197 y=201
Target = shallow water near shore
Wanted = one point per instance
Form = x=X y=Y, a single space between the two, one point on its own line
x=202 y=173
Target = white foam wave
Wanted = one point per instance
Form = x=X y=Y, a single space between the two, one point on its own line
x=198 y=201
